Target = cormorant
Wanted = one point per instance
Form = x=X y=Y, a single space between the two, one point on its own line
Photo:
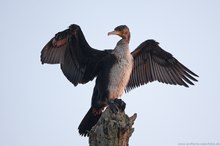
x=115 y=70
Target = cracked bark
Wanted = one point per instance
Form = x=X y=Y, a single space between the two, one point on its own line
x=112 y=129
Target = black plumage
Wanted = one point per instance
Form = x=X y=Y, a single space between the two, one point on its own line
x=81 y=63
x=152 y=63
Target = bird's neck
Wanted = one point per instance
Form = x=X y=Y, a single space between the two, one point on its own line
x=127 y=38
x=122 y=49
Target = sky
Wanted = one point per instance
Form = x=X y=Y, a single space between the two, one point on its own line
x=40 y=107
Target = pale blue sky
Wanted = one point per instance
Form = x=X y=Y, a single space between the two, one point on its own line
x=40 y=107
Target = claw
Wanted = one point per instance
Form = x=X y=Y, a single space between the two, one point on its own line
x=114 y=108
x=117 y=105
x=120 y=104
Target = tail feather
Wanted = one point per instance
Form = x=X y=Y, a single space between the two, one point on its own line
x=88 y=122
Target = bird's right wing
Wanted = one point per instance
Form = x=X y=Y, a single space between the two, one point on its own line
x=77 y=59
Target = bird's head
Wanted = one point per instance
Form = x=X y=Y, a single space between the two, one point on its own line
x=122 y=31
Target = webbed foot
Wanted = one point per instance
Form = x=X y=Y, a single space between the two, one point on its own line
x=117 y=105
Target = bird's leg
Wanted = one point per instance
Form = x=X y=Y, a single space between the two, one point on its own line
x=121 y=104
x=113 y=106
x=117 y=105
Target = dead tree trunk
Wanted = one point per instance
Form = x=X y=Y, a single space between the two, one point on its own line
x=112 y=129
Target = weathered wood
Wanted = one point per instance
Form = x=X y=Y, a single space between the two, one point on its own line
x=112 y=129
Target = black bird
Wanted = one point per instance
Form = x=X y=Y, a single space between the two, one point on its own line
x=115 y=70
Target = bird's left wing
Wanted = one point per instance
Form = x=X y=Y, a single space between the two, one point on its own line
x=152 y=63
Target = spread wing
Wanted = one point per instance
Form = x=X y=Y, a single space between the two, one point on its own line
x=152 y=63
x=77 y=59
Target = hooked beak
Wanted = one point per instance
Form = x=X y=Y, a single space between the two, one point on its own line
x=114 y=33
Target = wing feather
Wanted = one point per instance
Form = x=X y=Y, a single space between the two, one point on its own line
x=77 y=59
x=152 y=63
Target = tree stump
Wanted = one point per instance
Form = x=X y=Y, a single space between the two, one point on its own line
x=112 y=129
